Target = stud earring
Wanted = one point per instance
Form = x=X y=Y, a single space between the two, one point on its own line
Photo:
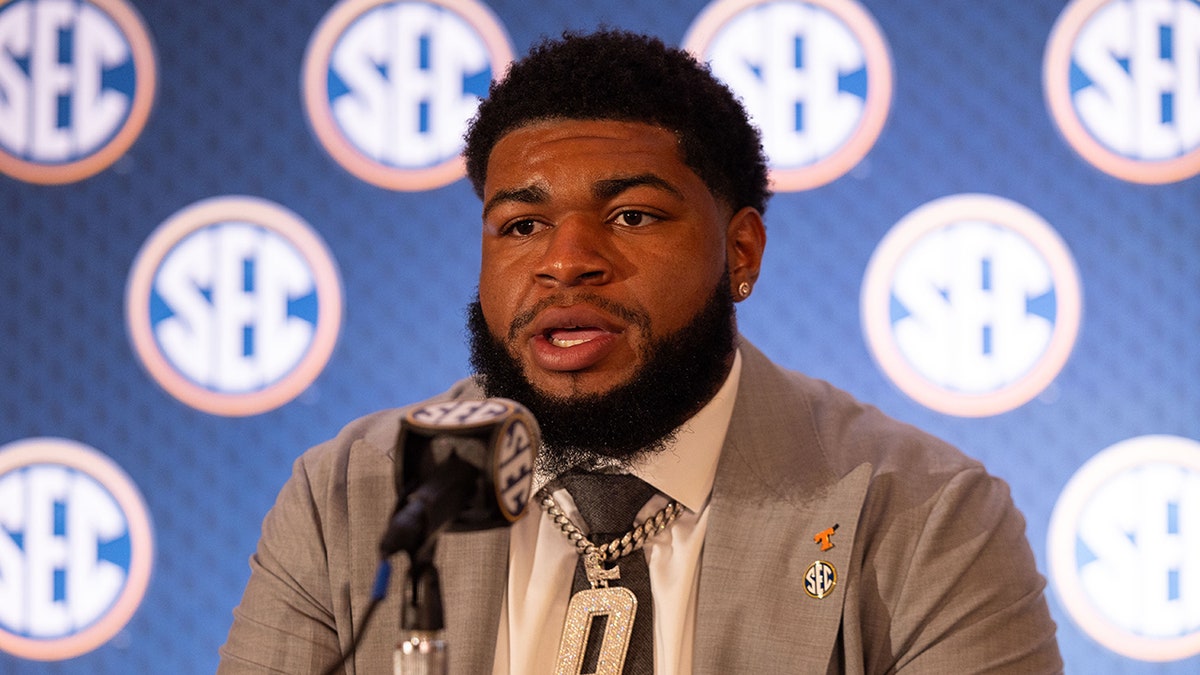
x=743 y=290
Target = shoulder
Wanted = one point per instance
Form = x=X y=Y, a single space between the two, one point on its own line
x=805 y=435
x=345 y=478
x=831 y=430
x=371 y=438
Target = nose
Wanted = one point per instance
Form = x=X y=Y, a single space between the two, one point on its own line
x=577 y=253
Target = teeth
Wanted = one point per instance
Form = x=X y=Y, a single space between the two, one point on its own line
x=559 y=342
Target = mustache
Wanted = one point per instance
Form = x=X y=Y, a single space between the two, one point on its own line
x=629 y=314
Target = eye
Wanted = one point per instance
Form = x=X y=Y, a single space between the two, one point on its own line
x=631 y=218
x=522 y=228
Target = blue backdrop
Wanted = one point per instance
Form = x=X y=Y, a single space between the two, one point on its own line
x=146 y=144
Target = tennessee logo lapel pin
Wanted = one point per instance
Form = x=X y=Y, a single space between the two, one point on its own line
x=824 y=537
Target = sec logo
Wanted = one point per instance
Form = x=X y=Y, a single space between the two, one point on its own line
x=514 y=463
x=390 y=85
x=77 y=82
x=971 y=305
x=1124 y=548
x=820 y=579
x=1122 y=82
x=234 y=305
x=76 y=548
x=459 y=413
x=815 y=76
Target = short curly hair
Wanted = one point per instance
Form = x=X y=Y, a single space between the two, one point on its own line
x=618 y=75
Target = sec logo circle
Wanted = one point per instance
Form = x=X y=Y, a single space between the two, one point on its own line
x=1124 y=548
x=234 y=305
x=971 y=305
x=1122 y=82
x=820 y=579
x=77 y=82
x=815 y=77
x=76 y=548
x=390 y=85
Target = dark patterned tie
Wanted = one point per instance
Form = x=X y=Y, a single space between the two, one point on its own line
x=608 y=504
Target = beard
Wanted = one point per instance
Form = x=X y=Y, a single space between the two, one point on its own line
x=682 y=371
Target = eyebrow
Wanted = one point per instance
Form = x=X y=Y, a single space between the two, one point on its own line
x=530 y=194
x=602 y=189
x=611 y=187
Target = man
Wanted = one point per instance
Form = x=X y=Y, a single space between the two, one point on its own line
x=623 y=190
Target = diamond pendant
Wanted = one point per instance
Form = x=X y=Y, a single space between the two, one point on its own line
x=618 y=605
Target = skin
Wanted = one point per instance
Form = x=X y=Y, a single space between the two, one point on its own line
x=597 y=238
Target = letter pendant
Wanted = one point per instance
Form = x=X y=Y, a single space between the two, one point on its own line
x=617 y=604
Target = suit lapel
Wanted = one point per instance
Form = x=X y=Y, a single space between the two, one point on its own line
x=774 y=491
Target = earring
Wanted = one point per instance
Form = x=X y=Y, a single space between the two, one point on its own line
x=743 y=290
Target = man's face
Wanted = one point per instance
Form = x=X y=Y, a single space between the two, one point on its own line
x=596 y=239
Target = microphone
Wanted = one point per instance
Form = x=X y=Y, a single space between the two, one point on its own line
x=463 y=465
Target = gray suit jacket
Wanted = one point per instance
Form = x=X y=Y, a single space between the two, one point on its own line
x=934 y=573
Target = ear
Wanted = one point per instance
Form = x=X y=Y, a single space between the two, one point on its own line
x=745 y=239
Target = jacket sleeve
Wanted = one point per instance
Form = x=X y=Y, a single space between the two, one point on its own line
x=970 y=598
x=285 y=622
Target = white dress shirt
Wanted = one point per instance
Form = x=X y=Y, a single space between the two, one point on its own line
x=541 y=561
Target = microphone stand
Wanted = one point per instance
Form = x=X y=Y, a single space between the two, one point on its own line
x=467 y=462
x=422 y=648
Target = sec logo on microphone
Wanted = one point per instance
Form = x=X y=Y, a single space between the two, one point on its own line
x=234 y=305
x=390 y=85
x=77 y=82
x=76 y=548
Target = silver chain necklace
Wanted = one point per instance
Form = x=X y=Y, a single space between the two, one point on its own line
x=617 y=603
x=618 y=548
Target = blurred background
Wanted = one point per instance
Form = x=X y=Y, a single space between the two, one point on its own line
x=228 y=229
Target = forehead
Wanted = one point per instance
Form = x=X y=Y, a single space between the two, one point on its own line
x=541 y=147
x=565 y=128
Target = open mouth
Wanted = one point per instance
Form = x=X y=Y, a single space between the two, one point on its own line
x=571 y=337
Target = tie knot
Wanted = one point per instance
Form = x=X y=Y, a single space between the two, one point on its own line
x=608 y=503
